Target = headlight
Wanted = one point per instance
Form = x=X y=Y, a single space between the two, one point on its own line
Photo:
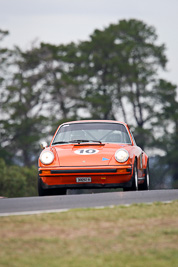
x=47 y=157
x=121 y=155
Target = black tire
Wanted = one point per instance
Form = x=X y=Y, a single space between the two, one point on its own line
x=49 y=192
x=41 y=191
x=146 y=184
x=134 y=186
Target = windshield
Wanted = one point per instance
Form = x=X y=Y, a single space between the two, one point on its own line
x=94 y=132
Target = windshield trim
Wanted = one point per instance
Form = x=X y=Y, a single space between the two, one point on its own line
x=95 y=122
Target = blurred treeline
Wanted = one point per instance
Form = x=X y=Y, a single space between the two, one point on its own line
x=115 y=74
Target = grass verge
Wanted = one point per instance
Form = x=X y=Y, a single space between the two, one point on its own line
x=138 y=235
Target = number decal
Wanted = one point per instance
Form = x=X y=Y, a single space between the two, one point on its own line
x=87 y=151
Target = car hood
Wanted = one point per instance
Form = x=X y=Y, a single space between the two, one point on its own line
x=86 y=154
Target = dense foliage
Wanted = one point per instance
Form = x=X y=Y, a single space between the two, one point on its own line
x=112 y=75
x=16 y=181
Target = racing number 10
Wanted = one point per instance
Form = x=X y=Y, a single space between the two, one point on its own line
x=87 y=151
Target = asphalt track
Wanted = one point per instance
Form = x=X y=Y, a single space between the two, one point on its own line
x=33 y=205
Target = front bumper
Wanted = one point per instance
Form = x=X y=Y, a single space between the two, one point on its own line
x=101 y=177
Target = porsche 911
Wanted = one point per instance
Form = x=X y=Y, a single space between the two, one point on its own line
x=92 y=154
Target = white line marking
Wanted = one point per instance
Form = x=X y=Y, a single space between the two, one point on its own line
x=65 y=210
x=32 y=212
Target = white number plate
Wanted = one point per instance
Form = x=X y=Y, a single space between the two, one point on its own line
x=83 y=179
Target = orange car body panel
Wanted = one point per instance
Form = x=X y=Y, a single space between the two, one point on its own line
x=102 y=167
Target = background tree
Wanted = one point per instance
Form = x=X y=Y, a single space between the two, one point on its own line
x=60 y=87
x=166 y=137
x=5 y=58
x=26 y=122
x=95 y=66
x=142 y=58
x=121 y=64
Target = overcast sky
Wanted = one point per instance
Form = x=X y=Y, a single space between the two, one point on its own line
x=63 y=21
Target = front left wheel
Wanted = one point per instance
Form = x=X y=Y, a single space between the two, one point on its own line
x=135 y=178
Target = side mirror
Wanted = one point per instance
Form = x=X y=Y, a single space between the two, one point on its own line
x=43 y=145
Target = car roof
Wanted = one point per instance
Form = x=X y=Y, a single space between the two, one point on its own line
x=95 y=121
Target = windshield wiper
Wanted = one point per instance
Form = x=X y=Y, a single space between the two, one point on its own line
x=61 y=142
x=83 y=141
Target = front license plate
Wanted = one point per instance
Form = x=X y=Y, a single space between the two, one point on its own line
x=83 y=179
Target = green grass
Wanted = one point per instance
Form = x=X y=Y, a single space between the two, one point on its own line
x=138 y=235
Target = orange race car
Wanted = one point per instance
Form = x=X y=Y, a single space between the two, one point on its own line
x=92 y=154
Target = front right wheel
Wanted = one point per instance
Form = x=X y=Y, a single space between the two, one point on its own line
x=134 y=186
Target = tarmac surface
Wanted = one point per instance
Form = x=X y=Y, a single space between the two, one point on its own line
x=47 y=204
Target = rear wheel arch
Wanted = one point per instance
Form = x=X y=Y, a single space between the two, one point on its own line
x=145 y=161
